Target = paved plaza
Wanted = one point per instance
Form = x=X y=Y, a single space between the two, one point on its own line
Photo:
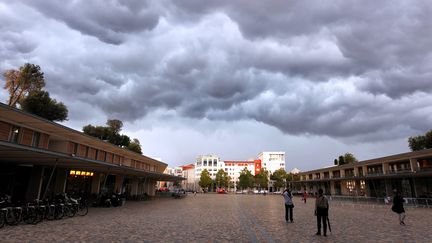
x=227 y=218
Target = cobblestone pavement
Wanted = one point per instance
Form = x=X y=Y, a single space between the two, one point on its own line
x=227 y=218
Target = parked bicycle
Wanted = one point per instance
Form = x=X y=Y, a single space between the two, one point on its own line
x=38 y=210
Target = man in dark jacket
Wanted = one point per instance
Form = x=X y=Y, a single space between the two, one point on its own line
x=321 y=211
x=398 y=207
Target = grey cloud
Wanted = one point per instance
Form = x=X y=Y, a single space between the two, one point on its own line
x=372 y=36
x=342 y=70
x=108 y=21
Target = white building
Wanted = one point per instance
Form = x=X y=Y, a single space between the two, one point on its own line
x=176 y=171
x=233 y=168
x=210 y=162
x=188 y=172
x=272 y=161
x=295 y=171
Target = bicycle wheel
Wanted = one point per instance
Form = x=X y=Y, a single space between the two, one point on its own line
x=40 y=213
x=29 y=216
x=72 y=210
x=82 y=209
x=11 y=217
x=50 y=213
x=2 y=217
x=59 y=212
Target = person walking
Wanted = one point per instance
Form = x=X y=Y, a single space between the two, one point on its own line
x=305 y=195
x=398 y=207
x=289 y=205
x=321 y=212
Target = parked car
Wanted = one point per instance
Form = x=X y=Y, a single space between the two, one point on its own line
x=221 y=191
x=179 y=193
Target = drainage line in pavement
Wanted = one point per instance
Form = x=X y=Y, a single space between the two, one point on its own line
x=247 y=226
x=263 y=232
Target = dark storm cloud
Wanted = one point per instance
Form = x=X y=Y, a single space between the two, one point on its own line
x=343 y=69
x=106 y=20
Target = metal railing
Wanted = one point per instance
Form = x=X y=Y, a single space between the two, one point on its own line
x=410 y=202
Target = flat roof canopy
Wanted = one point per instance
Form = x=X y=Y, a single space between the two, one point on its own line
x=29 y=156
x=60 y=132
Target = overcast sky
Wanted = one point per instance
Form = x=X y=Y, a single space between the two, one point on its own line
x=314 y=79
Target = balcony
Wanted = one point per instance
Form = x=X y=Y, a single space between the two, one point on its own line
x=374 y=173
x=398 y=171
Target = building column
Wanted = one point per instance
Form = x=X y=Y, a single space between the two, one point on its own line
x=385 y=168
x=134 y=187
x=95 y=184
x=118 y=184
x=356 y=171
x=34 y=186
x=60 y=180
x=365 y=171
x=150 y=184
x=414 y=165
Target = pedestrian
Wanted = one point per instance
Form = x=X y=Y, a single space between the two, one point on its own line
x=321 y=211
x=398 y=207
x=305 y=195
x=195 y=193
x=289 y=205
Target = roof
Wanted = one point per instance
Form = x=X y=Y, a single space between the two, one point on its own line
x=187 y=167
x=238 y=161
x=390 y=158
x=60 y=132
x=25 y=155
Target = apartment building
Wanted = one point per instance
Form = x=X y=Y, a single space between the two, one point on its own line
x=211 y=163
x=272 y=161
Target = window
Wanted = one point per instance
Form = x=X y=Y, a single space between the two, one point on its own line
x=97 y=153
x=75 y=148
x=87 y=152
x=205 y=162
x=215 y=162
x=36 y=139
x=15 y=134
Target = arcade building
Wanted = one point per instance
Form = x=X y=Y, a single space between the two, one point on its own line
x=40 y=158
x=410 y=173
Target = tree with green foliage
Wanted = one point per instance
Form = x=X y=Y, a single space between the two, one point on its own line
x=349 y=158
x=222 y=179
x=205 y=180
x=279 y=178
x=290 y=177
x=135 y=146
x=111 y=133
x=114 y=125
x=341 y=160
x=246 y=179
x=19 y=83
x=421 y=142
x=39 y=103
x=262 y=179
